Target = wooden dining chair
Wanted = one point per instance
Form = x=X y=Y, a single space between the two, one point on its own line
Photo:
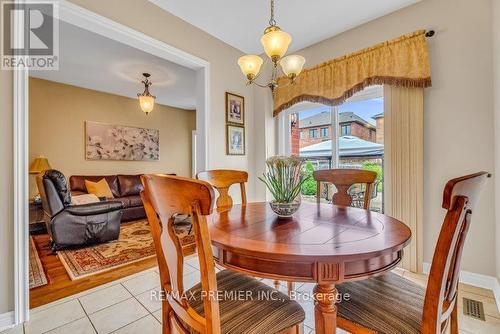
x=222 y=180
x=209 y=307
x=343 y=179
x=392 y=304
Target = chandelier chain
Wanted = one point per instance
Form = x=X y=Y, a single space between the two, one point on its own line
x=272 y=21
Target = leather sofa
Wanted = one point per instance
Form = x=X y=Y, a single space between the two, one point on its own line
x=125 y=188
x=75 y=225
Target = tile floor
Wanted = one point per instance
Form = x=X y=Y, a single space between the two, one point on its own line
x=126 y=307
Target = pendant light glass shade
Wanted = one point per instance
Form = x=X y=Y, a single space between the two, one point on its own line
x=275 y=43
x=147 y=103
x=250 y=65
x=292 y=65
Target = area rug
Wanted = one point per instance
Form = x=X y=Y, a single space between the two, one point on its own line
x=37 y=274
x=134 y=244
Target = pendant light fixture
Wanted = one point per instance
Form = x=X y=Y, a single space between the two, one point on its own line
x=275 y=43
x=146 y=100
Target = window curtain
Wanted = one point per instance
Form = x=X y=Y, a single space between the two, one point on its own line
x=403 y=165
x=402 y=62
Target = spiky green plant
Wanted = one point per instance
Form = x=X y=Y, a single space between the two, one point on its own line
x=283 y=178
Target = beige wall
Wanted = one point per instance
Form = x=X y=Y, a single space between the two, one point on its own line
x=458 y=120
x=145 y=17
x=7 y=191
x=496 y=85
x=57 y=116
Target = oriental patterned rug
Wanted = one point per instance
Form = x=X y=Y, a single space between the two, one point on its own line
x=37 y=274
x=134 y=244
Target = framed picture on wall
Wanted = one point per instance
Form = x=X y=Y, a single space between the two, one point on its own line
x=235 y=140
x=117 y=142
x=235 y=109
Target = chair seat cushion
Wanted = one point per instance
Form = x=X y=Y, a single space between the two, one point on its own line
x=253 y=314
x=386 y=304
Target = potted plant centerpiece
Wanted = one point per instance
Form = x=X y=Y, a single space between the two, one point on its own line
x=284 y=180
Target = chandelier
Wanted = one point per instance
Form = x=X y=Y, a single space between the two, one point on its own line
x=146 y=100
x=275 y=43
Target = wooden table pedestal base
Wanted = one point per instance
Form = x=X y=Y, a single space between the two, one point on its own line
x=325 y=311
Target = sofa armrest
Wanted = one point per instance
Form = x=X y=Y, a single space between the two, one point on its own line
x=94 y=208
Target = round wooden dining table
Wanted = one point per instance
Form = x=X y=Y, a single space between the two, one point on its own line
x=322 y=243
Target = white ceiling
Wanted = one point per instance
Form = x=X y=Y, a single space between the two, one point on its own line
x=92 y=61
x=240 y=23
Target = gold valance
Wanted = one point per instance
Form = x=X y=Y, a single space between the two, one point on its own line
x=403 y=62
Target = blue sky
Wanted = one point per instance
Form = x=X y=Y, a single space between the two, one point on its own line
x=364 y=109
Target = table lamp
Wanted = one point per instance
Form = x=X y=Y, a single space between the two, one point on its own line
x=39 y=165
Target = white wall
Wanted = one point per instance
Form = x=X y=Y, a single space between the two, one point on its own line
x=458 y=121
x=145 y=17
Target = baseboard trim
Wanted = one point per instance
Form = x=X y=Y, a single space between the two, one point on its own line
x=7 y=320
x=478 y=280
x=496 y=292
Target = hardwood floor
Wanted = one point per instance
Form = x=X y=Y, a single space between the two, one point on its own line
x=60 y=285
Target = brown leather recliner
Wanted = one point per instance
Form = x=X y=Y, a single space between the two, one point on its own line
x=76 y=225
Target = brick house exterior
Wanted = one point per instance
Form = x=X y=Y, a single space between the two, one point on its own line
x=318 y=128
x=295 y=134
x=380 y=127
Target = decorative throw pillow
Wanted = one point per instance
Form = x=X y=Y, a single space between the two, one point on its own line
x=100 y=189
x=84 y=199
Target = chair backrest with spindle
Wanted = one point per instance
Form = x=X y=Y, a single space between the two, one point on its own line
x=163 y=197
x=222 y=179
x=343 y=179
x=459 y=199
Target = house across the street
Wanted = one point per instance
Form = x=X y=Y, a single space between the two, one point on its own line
x=318 y=128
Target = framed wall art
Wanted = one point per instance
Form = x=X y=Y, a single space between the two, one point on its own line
x=117 y=142
x=235 y=109
x=235 y=144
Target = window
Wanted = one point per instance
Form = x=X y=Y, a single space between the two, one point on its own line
x=315 y=147
x=345 y=130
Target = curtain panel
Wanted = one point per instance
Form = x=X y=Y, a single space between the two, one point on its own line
x=402 y=62
x=403 y=165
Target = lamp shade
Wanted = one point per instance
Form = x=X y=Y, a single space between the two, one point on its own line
x=275 y=43
x=147 y=103
x=292 y=65
x=39 y=165
x=250 y=65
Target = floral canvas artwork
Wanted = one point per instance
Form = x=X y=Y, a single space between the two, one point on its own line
x=117 y=142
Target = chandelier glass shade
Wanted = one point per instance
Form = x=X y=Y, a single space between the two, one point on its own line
x=292 y=65
x=275 y=43
x=250 y=65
